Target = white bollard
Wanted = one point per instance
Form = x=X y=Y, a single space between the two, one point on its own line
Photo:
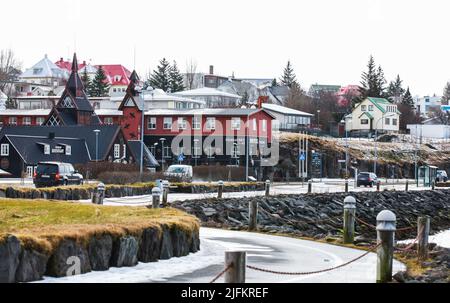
x=386 y=228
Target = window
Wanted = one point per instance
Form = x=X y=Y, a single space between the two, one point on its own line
x=30 y=171
x=363 y=108
x=68 y=150
x=46 y=149
x=166 y=152
x=370 y=108
x=387 y=121
x=114 y=90
x=116 y=151
x=124 y=148
x=264 y=125
x=394 y=121
x=182 y=123
x=26 y=120
x=210 y=123
x=254 y=125
x=151 y=123
x=364 y=121
x=108 y=121
x=236 y=123
x=40 y=120
x=196 y=149
x=196 y=122
x=4 y=150
x=12 y=121
x=235 y=152
x=167 y=123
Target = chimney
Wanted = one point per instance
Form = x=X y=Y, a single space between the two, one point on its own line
x=61 y=59
x=261 y=100
x=51 y=135
x=211 y=69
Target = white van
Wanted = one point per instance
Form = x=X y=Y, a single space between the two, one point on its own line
x=182 y=171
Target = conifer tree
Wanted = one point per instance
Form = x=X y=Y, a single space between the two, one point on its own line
x=395 y=90
x=160 y=78
x=86 y=81
x=99 y=86
x=274 y=82
x=372 y=82
x=407 y=98
x=446 y=96
x=176 y=81
x=288 y=78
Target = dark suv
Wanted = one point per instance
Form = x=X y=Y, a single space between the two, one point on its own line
x=56 y=173
x=366 y=179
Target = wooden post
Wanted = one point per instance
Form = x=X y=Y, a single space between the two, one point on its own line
x=378 y=186
x=220 y=189
x=386 y=221
x=236 y=274
x=406 y=185
x=165 y=195
x=267 y=188
x=423 y=230
x=253 y=215
x=432 y=185
x=156 y=193
x=349 y=219
x=309 y=186
x=346 y=186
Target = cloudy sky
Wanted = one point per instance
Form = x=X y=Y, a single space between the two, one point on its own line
x=328 y=41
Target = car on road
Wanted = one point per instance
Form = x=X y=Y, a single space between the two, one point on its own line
x=184 y=172
x=55 y=174
x=366 y=179
x=441 y=176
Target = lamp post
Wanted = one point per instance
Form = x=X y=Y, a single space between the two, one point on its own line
x=376 y=135
x=162 y=153
x=346 y=146
x=318 y=118
x=96 y=131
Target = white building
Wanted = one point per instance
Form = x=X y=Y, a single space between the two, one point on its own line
x=287 y=118
x=425 y=104
x=3 y=99
x=212 y=97
x=373 y=114
x=433 y=131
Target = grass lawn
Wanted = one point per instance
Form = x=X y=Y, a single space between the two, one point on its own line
x=41 y=224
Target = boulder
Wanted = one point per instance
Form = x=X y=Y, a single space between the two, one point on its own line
x=124 y=253
x=150 y=246
x=180 y=242
x=100 y=251
x=166 y=251
x=9 y=258
x=195 y=242
x=69 y=258
x=32 y=266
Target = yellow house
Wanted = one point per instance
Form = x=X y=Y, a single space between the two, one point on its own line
x=373 y=114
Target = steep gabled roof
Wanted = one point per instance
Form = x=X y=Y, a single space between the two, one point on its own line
x=45 y=69
x=132 y=93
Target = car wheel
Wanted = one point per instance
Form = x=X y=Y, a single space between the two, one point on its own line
x=65 y=183
x=80 y=182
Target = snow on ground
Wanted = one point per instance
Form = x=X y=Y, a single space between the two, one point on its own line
x=441 y=239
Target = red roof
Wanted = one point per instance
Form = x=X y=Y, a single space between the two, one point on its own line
x=117 y=74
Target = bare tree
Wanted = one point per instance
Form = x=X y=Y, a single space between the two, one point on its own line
x=191 y=70
x=9 y=70
x=442 y=116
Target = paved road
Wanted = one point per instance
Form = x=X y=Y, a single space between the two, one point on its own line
x=276 y=189
x=277 y=253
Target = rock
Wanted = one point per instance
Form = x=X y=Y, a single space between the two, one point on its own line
x=100 y=251
x=124 y=253
x=2 y=193
x=208 y=211
x=401 y=276
x=32 y=266
x=166 y=251
x=150 y=245
x=69 y=258
x=195 y=242
x=9 y=258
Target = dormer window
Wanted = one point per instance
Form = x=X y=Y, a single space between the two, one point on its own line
x=117 y=78
x=67 y=102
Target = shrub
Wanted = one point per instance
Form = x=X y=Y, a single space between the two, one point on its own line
x=129 y=177
x=218 y=172
x=92 y=170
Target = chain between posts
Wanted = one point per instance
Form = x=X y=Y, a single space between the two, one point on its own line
x=317 y=271
x=222 y=273
x=374 y=227
x=411 y=245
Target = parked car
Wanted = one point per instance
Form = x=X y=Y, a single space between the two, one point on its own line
x=183 y=172
x=441 y=176
x=366 y=179
x=56 y=173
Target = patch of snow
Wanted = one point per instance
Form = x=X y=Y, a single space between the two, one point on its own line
x=441 y=239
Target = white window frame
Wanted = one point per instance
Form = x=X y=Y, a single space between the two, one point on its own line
x=151 y=123
x=364 y=120
x=197 y=122
x=235 y=123
x=166 y=152
x=196 y=149
x=116 y=151
x=68 y=150
x=363 y=108
x=370 y=108
x=124 y=150
x=108 y=121
x=28 y=119
x=211 y=123
x=40 y=120
x=387 y=121
x=255 y=125
x=30 y=171
x=12 y=120
x=182 y=123
x=4 y=149
x=46 y=149
x=394 y=122
x=165 y=122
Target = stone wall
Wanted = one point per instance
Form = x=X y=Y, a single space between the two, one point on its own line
x=23 y=263
x=320 y=215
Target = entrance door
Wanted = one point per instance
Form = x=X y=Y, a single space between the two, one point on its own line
x=30 y=171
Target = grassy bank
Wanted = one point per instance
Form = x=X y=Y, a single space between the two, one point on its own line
x=42 y=224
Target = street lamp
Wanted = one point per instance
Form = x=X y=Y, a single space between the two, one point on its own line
x=96 y=131
x=162 y=153
x=344 y=121
x=376 y=135
x=318 y=118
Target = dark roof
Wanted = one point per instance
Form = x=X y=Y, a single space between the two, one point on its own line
x=31 y=149
x=279 y=90
x=106 y=136
x=149 y=159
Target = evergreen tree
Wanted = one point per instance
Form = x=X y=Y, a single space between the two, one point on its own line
x=372 y=82
x=395 y=90
x=288 y=77
x=99 y=86
x=407 y=99
x=86 y=81
x=274 y=82
x=176 y=82
x=446 y=96
x=160 y=78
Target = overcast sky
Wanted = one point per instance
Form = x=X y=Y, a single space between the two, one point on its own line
x=327 y=41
